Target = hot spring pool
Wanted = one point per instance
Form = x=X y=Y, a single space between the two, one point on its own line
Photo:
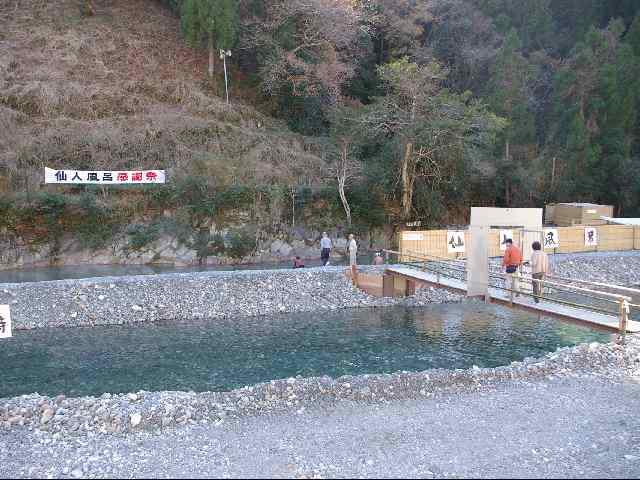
x=217 y=355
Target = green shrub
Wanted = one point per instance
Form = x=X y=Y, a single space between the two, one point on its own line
x=142 y=235
x=236 y=196
x=240 y=243
x=98 y=224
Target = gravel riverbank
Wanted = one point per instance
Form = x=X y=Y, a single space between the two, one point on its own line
x=147 y=298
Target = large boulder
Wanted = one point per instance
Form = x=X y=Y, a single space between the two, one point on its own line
x=281 y=248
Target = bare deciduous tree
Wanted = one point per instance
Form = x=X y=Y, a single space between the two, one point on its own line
x=344 y=164
x=309 y=45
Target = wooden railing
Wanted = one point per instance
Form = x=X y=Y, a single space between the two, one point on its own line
x=442 y=267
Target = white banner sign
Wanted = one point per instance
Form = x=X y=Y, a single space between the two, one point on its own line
x=504 y=236
x=455 y=242
x=5 y=321
x=102 y=177
x=590 y=237
x=412 y=236
x=551 y=238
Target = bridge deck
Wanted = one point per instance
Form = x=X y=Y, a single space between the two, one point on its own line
x=574 y=314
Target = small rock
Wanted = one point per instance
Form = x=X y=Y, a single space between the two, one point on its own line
x=46 y=416
x=15 y=420
x=132 y=397
x=135 y=419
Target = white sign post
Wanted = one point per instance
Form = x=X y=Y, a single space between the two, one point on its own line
x=590 y=237
x=101 y=177
x=5 y=321
x=504 y=236
x=550 y=238
x=455 y=242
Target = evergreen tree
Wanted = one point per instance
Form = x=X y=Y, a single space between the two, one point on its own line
x=210 y=22
x=509 y=96
x=597 y=102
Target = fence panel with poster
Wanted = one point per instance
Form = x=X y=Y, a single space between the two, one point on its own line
x=603 y=238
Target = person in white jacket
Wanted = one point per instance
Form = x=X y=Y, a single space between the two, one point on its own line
x=539 y=268
x=352 y=248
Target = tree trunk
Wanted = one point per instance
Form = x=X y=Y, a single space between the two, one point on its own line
x=88 y=8
x=345 y=203
x=342 y=180
x=507 y=181
x=211 y=55
x=407 y=181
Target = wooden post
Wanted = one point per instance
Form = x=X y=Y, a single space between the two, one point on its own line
x=510 y=288
x=410 y=288
x=624 y=316
x=387 y=285
x=354 y=275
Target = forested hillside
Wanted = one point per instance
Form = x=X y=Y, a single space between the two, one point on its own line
x=358 y=113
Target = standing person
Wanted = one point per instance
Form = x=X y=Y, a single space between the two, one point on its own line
x=539 y=268
x=352 y=248
x=325 y=249
x=512 y=261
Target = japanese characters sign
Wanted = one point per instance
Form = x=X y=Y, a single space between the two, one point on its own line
x=455 y=242
x=550 y=238
x=504 y=236
x=103 y=177
x=590 y=237
x=5 y=321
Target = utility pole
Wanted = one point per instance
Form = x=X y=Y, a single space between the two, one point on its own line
x=223 y=56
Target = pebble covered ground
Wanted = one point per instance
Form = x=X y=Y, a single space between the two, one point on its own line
x=570 y=413
x=120 y=300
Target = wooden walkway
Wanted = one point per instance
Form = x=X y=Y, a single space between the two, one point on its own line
x=524 y=302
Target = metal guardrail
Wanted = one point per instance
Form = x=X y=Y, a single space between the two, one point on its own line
x=442 y=266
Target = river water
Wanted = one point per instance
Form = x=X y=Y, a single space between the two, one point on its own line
x=43 y=274
x=221 y=355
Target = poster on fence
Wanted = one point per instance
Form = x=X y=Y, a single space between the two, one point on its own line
x=102 y=177
x=455 y=242
x=590 y=237
x=5 y=321
x=551 y=238
x=504 y=236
